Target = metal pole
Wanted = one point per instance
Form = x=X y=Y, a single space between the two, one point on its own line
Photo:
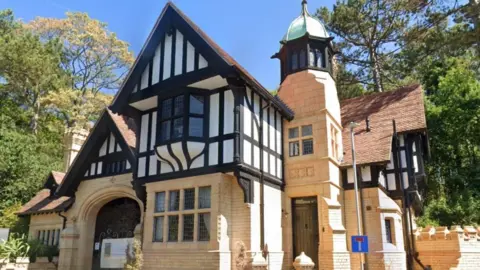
x=355 y=183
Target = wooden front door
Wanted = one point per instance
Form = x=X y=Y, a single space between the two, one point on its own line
x=305 y=227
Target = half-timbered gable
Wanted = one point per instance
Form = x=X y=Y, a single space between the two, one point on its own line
x=109 y=150
x=391 y=145
x=198 y=110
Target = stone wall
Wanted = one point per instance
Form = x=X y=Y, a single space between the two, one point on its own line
x=443 y=248
x=23 y=264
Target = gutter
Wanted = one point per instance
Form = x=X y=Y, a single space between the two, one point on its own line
x=64 y=220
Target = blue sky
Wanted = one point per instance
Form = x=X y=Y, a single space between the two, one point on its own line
x=249 y=30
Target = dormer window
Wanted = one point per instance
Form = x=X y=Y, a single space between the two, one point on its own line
x=182 y=116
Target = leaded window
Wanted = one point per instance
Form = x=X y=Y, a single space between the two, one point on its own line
x=204 y=197
x=388 y=231
x=294 y=149
x=174 y=200
x=204 y=227
x=188 y=226
x=160 y=202
x=307 y=146
x=294 y=61
x=300 y=140
x=172 y=228
x=186 y=215
x=158 y=229
x=189 y=199
x=182 y=116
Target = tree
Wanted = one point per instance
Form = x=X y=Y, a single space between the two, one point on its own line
x=31 y=70
x=94 y=57
x=367 y=33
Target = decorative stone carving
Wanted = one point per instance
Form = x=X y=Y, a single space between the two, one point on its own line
x=303 y=262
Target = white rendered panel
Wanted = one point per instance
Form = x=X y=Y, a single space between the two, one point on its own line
x=92 y=169
x=279 y=168
x=128 y=166
x=165 y=168
x=271 y=124
x=167 y=58
x=366 y=175
x=350 y=179
x=178 y=53
x=247 y=152
x=391 y=181
x=194 y=149
x=265 y=161
x=405 y=180
x=265 y=128
x=381 y=179
x=273 y=162
x=99 y=167
x=404 y=159
x=213 y=154
x=247 y=121
x=162 y=152
x=119 y=149
x=278 y=128
x=214 y=115
x=202 y=63
x=152 y=167
x=198 y=162
x=256 y=157
x=190 y=57
x=103 y=149
x=86 y=173
x=141 y=166
x=177 y=150
x=144 y=81
x=256 y=115
x=228 y=151
x=135 y=88
x=153 y=132
x=415 y=163
x=156 y=65
x=111 y=147
x=228 y=112
x=144 y=133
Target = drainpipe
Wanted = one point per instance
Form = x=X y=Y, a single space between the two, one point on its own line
x=64 y=220
x=404 y=197
x=262 y=183
x=415 y=254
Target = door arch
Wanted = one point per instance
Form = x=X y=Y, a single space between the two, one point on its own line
x=115 y=220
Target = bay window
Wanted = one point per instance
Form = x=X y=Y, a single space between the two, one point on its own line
x=182 y=116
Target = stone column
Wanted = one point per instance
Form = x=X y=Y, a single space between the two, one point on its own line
x=259 y=263
x=68 y=248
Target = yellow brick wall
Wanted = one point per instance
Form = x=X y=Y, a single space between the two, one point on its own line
x=44 y=222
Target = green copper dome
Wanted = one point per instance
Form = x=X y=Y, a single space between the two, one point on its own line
x=305 y=23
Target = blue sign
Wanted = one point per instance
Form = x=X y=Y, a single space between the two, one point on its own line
x=360 y=243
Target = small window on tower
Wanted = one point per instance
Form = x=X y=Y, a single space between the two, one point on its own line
x=303 y=59
x=294 y=149
x=294 y=61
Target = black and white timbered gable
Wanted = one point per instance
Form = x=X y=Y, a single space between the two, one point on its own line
x=109 y=150
x=198 y=110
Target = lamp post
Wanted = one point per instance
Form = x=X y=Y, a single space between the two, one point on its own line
x=353 y=125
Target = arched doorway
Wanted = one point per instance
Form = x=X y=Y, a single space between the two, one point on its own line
x=116 y=220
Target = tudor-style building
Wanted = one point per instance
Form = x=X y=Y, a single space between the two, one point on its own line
x=199 y=161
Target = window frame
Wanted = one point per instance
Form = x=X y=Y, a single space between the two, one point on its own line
x=185 y=116
x=180 y=213
x=299 y=140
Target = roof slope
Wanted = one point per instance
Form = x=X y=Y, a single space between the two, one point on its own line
x=42 y=202
x=404 y=105
x=126 y=128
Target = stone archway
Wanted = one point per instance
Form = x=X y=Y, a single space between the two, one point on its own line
x=116 y=221
x=87 y=217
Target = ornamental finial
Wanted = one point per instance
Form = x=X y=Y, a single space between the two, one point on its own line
x=304 y=7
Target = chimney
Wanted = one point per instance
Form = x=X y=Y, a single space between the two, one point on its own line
x=73 y=139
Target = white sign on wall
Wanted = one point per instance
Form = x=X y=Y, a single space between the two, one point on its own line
x=113 y=253
x=4 y=235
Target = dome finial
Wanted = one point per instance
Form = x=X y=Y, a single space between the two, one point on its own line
x=304 y=7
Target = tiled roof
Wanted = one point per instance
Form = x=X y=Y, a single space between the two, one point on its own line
x=58 y=176
x=42 y=202
x=404 y=105
x=126 y=128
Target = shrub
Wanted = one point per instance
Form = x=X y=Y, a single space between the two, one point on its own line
x=16 y=246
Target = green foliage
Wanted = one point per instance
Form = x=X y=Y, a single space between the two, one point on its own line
x=135 y=260
x=16 y=246
x=37 y=248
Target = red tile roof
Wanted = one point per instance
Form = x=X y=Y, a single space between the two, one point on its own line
x=404 y=105
x=43 y=203
x=127 y=128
